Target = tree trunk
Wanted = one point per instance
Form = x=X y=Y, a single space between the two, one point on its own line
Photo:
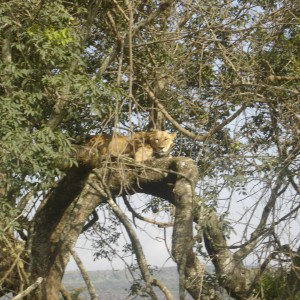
x=55 y=229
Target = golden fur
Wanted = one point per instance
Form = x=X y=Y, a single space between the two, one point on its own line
x=141 y=146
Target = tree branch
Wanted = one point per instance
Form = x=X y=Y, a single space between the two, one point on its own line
x=138 y=216
x=260 y=229
x=65 y=294
x=164 y=5
x=85 y=276
x=29 y=289
x=59 y=222
x=232 y=274
x=141 y=259
x=192 y=135
x=169 y=118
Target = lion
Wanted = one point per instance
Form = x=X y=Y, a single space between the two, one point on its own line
x=141 y=146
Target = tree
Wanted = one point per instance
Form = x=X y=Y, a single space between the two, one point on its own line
x=224 y=75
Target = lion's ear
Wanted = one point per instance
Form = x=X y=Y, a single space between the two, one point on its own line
x=173 y=135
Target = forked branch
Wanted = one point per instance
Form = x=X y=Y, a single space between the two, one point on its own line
x=192 y=135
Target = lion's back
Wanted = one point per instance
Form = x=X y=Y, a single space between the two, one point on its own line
x=113 y=145
x=143 y=145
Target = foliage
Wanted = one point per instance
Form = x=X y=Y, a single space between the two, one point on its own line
x=106 y=237
x=273 y=285
x=42 y=66
x=74 y=68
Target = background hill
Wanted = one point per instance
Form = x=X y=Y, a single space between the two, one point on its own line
x=115 y=285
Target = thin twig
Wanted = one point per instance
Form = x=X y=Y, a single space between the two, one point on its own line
x=138 y=216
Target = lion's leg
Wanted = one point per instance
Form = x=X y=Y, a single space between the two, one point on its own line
x=143 y=153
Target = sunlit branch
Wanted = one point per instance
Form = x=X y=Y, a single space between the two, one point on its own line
x=186 y=132
x=29 y=289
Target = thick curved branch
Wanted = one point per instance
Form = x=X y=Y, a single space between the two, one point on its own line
x=182 y=240
x=56 y=227
x=232 y=274
x=59 y=221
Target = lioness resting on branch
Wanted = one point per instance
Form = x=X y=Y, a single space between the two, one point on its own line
x=141 y=146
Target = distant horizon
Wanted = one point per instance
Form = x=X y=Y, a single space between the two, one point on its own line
x=116 y=270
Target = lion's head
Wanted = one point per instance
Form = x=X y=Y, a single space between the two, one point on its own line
x=162 y=142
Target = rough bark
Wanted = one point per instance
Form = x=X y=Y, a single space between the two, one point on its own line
x=182 y=241
x=231 y=272
x=55 y=229
x=59 y=221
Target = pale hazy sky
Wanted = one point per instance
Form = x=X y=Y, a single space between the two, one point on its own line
x=156 y=254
